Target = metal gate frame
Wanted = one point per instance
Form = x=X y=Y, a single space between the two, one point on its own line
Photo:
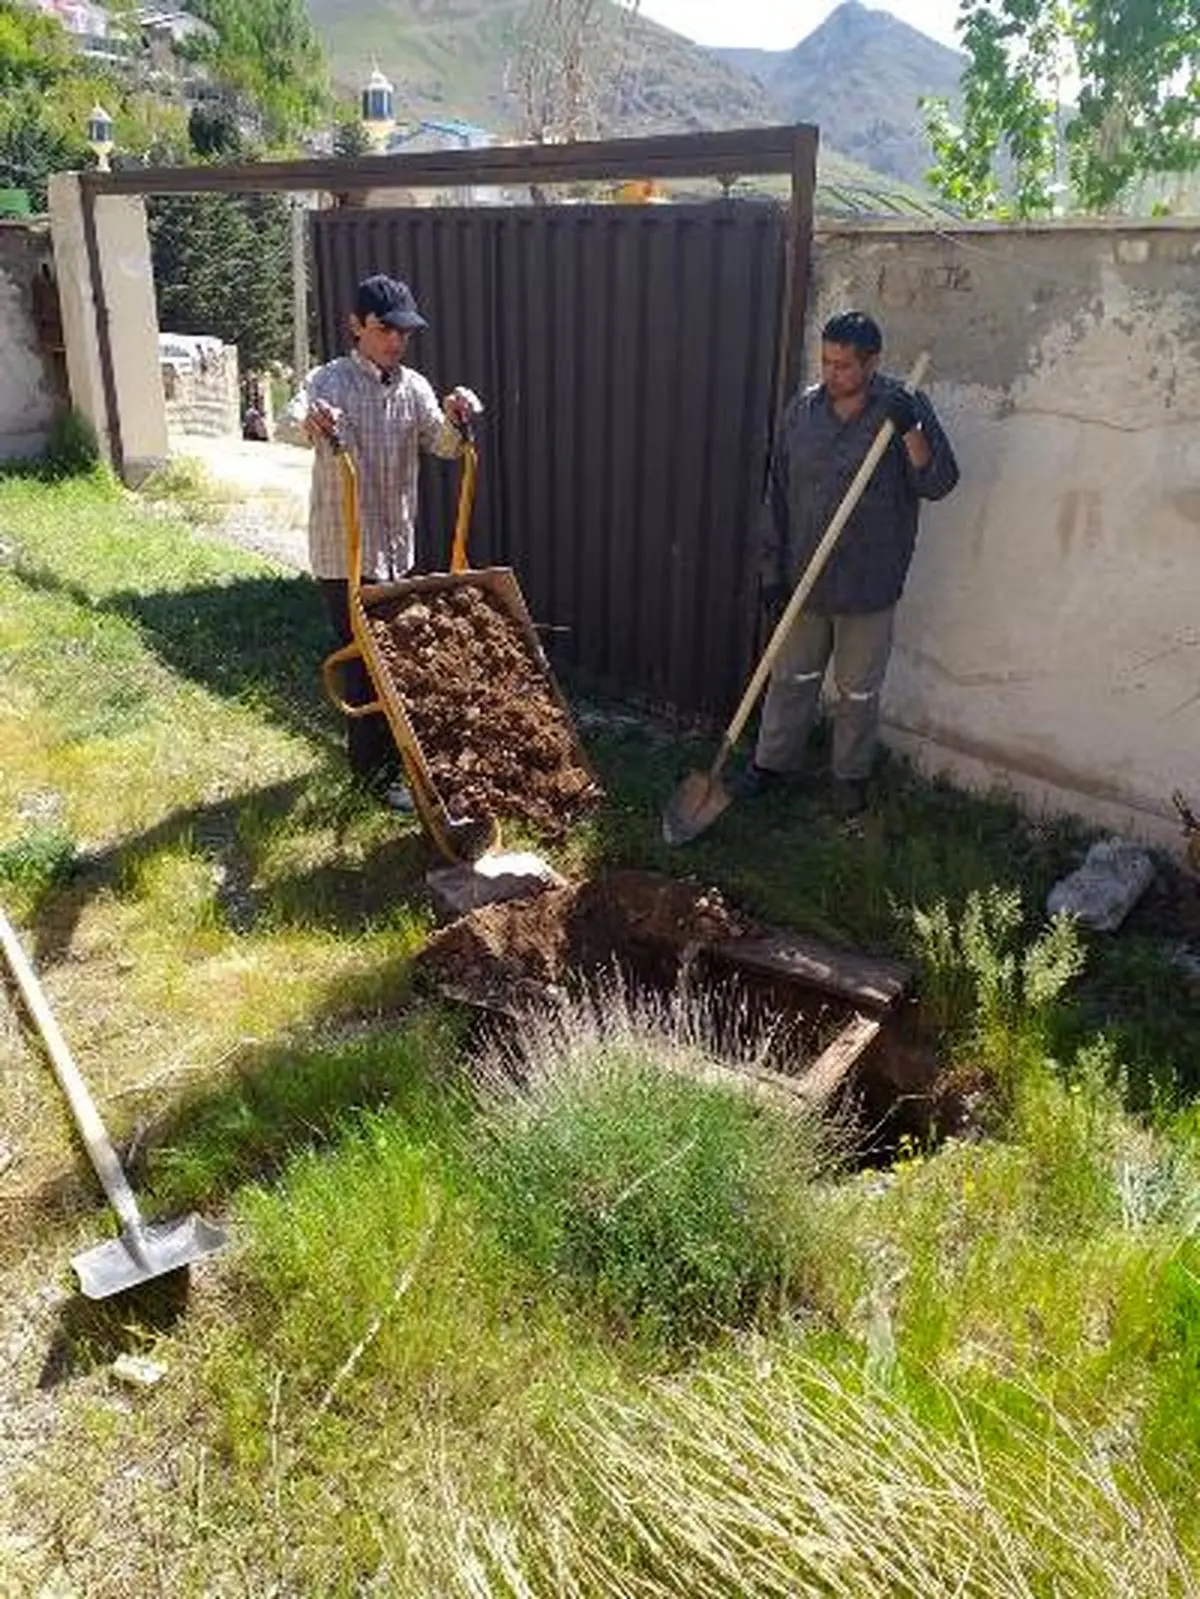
x=745 y=152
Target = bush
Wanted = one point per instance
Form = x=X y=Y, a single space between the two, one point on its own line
x=980 y=989
x=678 y=1205
x=36 y=860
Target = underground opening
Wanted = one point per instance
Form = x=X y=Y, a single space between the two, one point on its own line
x=789 y=1016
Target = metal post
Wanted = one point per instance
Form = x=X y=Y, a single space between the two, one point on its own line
x=300 y=287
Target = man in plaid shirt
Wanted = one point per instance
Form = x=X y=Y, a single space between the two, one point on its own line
x=387 y=414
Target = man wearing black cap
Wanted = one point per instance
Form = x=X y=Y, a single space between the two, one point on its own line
x=824 y=436
x=387 y=414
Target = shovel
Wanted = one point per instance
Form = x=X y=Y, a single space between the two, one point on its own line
x=702 y=796
x=144 y=1250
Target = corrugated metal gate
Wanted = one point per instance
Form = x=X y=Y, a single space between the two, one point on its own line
x=628 y=359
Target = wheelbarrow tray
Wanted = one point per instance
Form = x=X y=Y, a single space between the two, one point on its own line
x=500 y=584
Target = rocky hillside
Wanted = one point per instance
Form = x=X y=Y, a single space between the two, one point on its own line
x=859 y=76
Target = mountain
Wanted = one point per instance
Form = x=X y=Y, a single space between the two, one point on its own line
x=859 y=77
x=458 y=58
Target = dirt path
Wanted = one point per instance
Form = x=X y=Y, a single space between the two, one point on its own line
x=268 y=511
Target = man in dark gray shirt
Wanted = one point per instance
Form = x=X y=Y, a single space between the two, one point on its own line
x=825 y=433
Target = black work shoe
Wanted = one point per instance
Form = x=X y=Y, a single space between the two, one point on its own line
x=753 y=781
x=849 y=798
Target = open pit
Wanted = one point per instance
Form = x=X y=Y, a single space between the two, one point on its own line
x=834 y=1028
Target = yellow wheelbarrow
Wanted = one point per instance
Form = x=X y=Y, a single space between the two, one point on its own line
x=456 y=838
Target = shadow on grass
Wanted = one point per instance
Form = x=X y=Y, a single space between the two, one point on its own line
x=90 y=1333
x=269 y=1105
x=337 y=896
x=258 y=640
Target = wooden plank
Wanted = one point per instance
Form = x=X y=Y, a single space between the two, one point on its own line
x=833 y=1066
x=865 y=980
x=800 y=231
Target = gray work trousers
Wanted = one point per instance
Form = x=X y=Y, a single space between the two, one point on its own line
x=859 y=647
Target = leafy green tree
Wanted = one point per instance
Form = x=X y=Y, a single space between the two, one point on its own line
x=35 y=50
x=350 y=138
x=1137 y=66
x=32 y=147
x=222 y=265
x=47 y=91
x=268 y=54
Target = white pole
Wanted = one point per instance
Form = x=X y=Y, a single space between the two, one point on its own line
x=299 y=288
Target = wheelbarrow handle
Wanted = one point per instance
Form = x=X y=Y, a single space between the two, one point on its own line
x=329 y=666
x=459 y=554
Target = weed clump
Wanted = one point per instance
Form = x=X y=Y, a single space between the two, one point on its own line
x=623 y=1165
x=39 y=858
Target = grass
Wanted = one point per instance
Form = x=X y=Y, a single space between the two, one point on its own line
x=677 y=1209
x=619 y=1330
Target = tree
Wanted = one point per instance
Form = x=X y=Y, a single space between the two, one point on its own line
x=47 y=91
x=350 y=138
x=567 y=56
x=1137 y=66
x=223 y=265
x=267 y=53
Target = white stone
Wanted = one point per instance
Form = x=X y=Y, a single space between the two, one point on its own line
x=1101 y=893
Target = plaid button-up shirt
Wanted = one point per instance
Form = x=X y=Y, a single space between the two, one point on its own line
x=386 y=422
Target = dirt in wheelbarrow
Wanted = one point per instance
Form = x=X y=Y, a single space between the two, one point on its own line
x=639 y=924
x=497 y=740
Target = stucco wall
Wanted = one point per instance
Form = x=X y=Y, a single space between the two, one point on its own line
x=1049 y=638
x=123 y=302
x=32 y=372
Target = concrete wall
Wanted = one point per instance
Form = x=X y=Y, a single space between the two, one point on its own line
x=124 y=301
x=1049 y=639
x=33 y=387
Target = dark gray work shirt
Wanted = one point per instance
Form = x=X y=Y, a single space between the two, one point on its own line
x=813 y=466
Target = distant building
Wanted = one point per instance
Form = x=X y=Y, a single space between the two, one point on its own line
x=445 y=134
x=159 y=29
x=165 y=28
x=91 y=27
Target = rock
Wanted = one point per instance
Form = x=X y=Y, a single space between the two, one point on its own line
x=135 y=1371
x=1101 y=893
x=506 y=875
x=1187 y=961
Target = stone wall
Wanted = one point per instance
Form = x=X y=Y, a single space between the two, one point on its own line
x=1049 y=638
x=201 y=389
x=33 y=380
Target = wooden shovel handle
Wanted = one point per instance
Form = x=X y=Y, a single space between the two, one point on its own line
x=87 y=1118
x=811 y=573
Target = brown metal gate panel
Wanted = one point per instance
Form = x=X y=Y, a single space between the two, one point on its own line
x=627 y=358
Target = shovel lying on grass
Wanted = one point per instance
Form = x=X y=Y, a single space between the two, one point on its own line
x=144 y=1250
x=702 y=796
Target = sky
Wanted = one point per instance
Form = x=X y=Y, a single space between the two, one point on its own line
x=779 y=24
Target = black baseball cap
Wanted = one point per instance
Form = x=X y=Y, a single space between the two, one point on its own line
x=390 y=300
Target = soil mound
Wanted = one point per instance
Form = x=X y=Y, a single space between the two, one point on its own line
x=625 y=920
x=496 y=738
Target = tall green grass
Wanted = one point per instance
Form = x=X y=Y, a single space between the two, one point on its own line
x=621 y=1159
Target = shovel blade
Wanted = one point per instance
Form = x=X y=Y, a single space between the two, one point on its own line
x=141 y=1254
x=694 y=807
